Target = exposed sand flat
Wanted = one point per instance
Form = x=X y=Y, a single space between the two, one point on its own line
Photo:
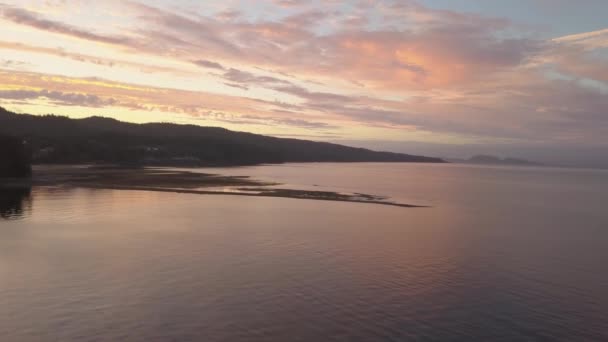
x=152 y=179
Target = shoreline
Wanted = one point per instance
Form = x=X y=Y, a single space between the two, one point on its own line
x=277 y=195
x=184 y=182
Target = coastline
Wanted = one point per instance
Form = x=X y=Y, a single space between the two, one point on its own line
x=184 y=182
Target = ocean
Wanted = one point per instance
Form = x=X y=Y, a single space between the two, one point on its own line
x=499 y=254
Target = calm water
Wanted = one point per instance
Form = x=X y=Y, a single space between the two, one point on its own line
x=504 y=254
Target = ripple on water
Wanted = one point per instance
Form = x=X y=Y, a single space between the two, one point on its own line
x=143 y=266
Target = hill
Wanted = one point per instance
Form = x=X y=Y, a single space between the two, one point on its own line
x=57 y=139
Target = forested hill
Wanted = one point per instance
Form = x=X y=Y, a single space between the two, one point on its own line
x=57 y=139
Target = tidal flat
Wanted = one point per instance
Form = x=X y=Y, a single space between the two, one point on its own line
x=179 y=181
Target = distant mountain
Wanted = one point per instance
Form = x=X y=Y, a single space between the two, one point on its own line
x=57 y=139
x=493 y=160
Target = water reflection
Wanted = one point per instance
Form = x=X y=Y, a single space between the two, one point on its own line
x=499 y=256
x=15 y=203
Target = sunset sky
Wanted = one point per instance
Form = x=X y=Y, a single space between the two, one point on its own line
x=524 y=78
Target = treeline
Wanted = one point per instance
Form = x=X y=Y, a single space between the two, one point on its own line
x=14 y=157
x=56 y=139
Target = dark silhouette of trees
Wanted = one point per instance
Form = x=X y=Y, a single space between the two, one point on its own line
x=56 y=139
x=14 y=158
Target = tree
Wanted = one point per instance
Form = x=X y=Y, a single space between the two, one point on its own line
x=15 y=158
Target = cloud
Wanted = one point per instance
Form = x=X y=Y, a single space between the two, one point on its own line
x=84 y=58
x=442 y=48
x=580 y=55
x=294 y=122
x=236 y=76
x=228 y=15
x=592 y=40
x=58 y=98
x=437 y=48
x=92 y=92
x=208 y=64
x=28 y=18
x=291 y=3
x=314 y=97
x=13 y=64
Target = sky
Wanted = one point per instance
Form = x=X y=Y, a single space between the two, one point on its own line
x=448 y=78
